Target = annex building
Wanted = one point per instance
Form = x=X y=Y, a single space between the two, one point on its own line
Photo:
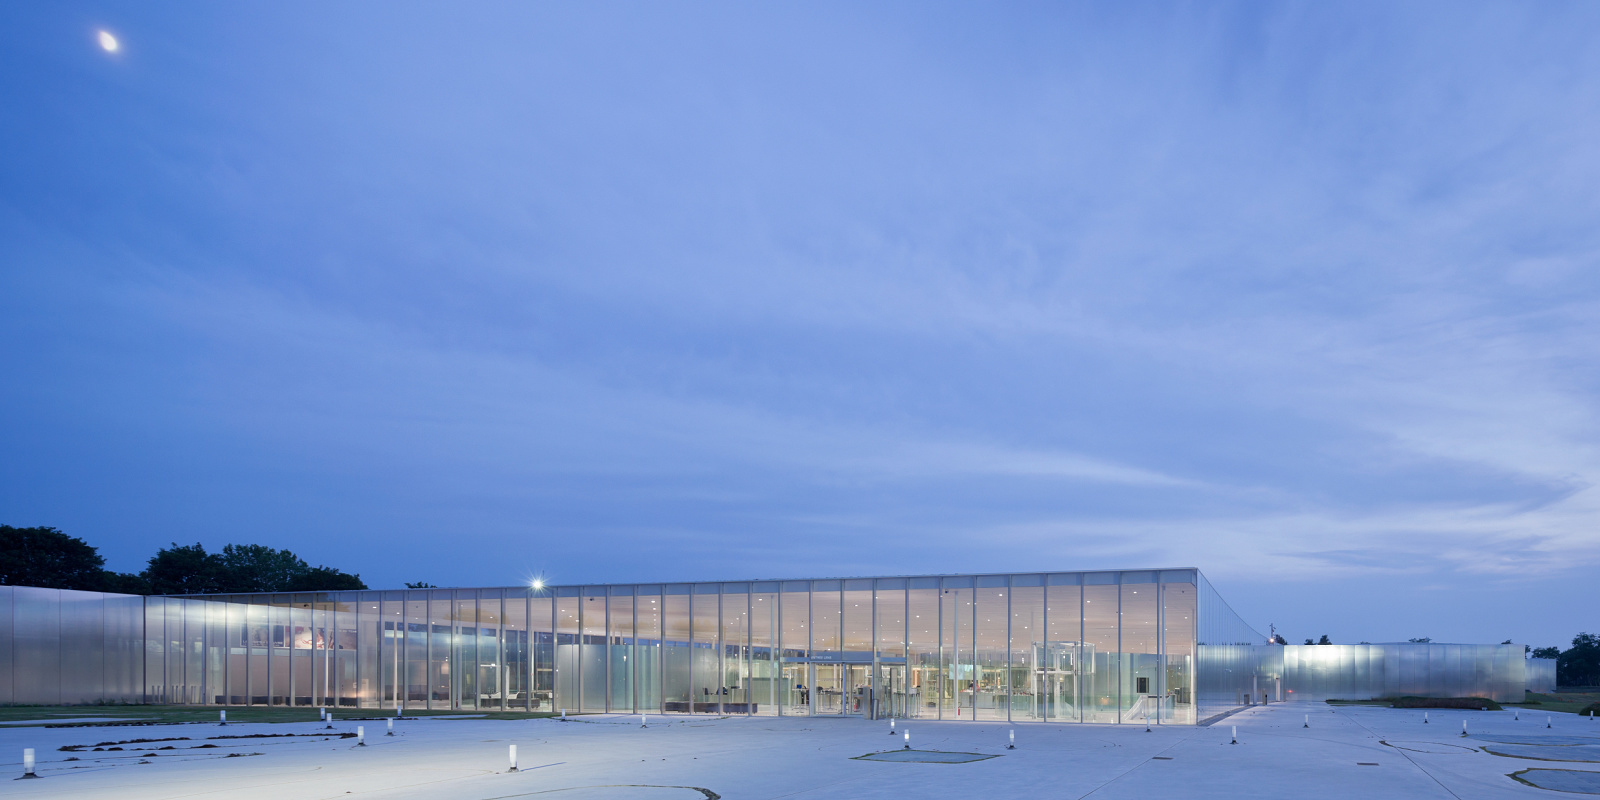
x=1081 y=647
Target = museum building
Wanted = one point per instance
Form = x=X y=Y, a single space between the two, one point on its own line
x=1156 y=646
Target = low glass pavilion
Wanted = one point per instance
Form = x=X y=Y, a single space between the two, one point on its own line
x=1091 y=647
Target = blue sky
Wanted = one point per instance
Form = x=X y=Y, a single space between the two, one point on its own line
x=1304 y=295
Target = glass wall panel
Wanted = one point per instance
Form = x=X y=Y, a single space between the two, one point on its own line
x=956 y=647
x=1178 y=622
x=765 y=683
x=238 y=653
x=282 y=668
x=889 y=634
x=300 y=648
x=922 y=647
x=369 y=633
x=516 y=649
x=1101 y=700
x=568 y=634
x=260 y=622
x=991 y=616
x=706 y=665
x=414 y=661
x=621 y=649
x=1060 y=658
x=1141 y=654
x=593 y=651
x=541 y=629
x=491 y=677
x=216 y=657
x=194 y=651
x=735 y=649
x=441 y=613
x=1027 y=638
x=463 y=659
x=676 y=651
x=794 y=614
x=155 y=659
x=647 y=653
x=176 y=690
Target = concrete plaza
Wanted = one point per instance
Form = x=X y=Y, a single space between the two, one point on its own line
x=1360 y=752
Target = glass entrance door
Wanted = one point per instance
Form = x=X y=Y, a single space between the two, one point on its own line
x=889 y=695
x=828 y=689
x=857 y=689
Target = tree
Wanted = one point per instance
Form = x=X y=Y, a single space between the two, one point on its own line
x=1579 y=665
x=1277 y=638
x=324 y=579
x=1545 y=652
x=185 y=569
x=1308 y=641
x=1324 y=639
x=258 y=568
x=1421 y=640
x=49 y=559
x=420 y=585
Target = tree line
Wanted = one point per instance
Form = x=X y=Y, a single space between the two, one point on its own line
x=47 y=558
x=1578 y=665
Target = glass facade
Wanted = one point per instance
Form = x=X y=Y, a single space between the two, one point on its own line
x=1081 y=647
x=1100 y=647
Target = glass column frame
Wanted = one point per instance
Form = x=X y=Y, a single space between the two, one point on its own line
x=991 y=696
x=735 y=648
x=1027 y=636
x=705 y=671
x=647 y=611
x=620 y=650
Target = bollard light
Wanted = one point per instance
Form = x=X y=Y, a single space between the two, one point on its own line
x=224 y=717
x=397 y=710
x=322 y=713
x=513 y=759
x=391 y=726
x=563 y=715
x=1516 y=715
x=1012 y=745
x=1308 y=722
x=1235 y=735
x=644 y=720
x=1146 y=722
x=27 y=763
x=1463 y=727
x=361 y=736
x=1424 y=717
x=908 y=740
x=891 y=726
x=1547 y=722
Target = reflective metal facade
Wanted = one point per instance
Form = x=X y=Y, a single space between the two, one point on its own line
x=60 y=647
x=1541 y=675
x=1363 y=671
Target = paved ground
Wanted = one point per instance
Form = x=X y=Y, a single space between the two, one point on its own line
x=612 y=758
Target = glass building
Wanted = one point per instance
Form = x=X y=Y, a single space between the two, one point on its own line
x=1093 y=647
x=1081 y=647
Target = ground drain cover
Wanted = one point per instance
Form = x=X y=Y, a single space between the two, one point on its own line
x=923 y=757
x=1582 y=752
x=1561 y=780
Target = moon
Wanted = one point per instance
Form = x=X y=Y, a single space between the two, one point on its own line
x=108 y=42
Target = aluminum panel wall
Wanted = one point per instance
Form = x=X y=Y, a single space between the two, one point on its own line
x=36 y=639
x=6 y=669
x=1541 y=675
x=1363 y=671
x=81 y=639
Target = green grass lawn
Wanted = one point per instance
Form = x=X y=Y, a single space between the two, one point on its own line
x=1568 y=702
x=176 y=714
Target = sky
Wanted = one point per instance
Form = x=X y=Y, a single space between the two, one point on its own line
x=1304 y=295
